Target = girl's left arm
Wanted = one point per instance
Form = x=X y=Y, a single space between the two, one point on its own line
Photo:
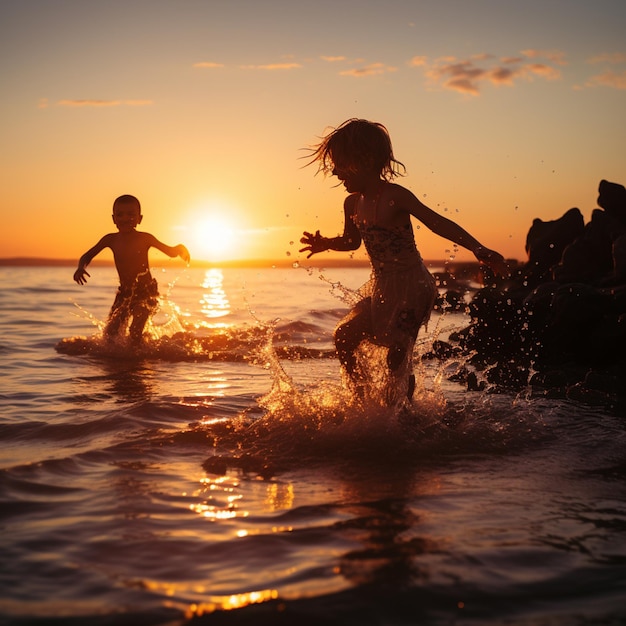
x=450 y=230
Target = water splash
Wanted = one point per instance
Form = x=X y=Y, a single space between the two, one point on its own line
x=332 y=423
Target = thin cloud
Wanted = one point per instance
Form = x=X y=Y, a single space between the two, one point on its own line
x=418 y=61
x=554 y=56
x=272 y=66
x=103 y=103
x=208 y=65
x=608 y=79
x=482 y=56
x=612 y=58
x=542 y=70
x=335 y=59
x=468 y=76
x=373 y=69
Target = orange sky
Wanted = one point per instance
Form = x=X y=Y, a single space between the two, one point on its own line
x=501 y=111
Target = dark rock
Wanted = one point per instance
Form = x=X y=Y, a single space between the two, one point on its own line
x=546 y=241
x=562 y=316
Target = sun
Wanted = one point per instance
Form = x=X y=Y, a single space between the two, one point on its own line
x=213 y=239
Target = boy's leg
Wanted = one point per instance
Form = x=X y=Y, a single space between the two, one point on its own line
x=144 y=306
x=140 y=318
x=142 y=312
x=118 y=316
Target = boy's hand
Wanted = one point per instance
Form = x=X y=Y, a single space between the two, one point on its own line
x=79 y=275
x=183 y=253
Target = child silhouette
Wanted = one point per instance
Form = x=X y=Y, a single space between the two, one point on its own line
x=137 y=296
x=400 y=294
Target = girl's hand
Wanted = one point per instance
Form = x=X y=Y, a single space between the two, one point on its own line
x=314 y=243
x=493 y=260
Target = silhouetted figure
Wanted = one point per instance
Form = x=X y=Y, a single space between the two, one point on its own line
x=399 y=297
x=137 y=296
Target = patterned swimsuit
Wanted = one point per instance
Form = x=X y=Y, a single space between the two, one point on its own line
x=400 y=293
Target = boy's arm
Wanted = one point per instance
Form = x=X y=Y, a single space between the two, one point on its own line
x=350 y=240
x=85 y=260
x=172 y=251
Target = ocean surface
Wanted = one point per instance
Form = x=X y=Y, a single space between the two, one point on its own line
x=223 y=473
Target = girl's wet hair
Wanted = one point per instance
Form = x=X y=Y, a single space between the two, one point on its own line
x=356 y=145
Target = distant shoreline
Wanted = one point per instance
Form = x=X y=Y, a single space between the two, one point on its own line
x=251 y=263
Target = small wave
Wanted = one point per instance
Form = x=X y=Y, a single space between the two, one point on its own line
x=234 y=345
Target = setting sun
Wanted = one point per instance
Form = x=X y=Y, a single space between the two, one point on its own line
x=213 y=239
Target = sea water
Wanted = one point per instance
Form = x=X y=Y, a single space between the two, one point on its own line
x=225 y=473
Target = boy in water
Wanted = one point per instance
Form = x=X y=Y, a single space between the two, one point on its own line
x=137 y=296
x=400 y=294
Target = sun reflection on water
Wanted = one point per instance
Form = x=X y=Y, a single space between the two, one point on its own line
x=279 y=496
x=214 y=508
x=214 y=303
x=212 y=603
x=227 y=603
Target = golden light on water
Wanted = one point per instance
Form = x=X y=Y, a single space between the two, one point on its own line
x=279 y=496
x=214 y=302
x=227 y=603
x=209 y=507
x=212 y=603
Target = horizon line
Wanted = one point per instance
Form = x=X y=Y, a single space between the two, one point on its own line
x=26 y=261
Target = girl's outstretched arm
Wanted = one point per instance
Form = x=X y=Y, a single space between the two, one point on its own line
x=350 y=240
x=450 y=230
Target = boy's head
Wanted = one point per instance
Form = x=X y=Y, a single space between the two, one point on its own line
x=356 y=146
x=126 y=212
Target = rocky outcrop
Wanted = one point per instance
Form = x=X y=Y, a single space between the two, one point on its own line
x=559 y=323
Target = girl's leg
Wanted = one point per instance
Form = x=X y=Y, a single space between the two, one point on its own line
x=407 y=326
x=352 y=330
x=396 y=357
